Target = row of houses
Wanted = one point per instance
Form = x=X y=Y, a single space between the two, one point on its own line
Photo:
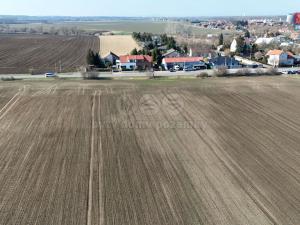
x=171 y=60
x=275 y=57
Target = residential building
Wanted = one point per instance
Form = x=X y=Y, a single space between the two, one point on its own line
x=287 y=44
x=265 y=40
x=134 y=62
x=171 y=53
x=296 y=60
x=295 y=36
x=224 y=61
x=233 y=46
x=111 y=58
x=220 y=48
x=184 y=62
x=163 y=48
x=280 y=58
x=271 y=40
x=290 y=18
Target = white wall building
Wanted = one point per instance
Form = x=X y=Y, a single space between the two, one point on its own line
x=280 y=58
x=134 y=62
x=233 y=46
x=290 y=18
x=265 y=40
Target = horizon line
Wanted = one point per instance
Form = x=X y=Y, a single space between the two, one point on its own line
x=114 y=16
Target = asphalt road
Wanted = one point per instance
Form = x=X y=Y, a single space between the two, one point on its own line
x=135 y=74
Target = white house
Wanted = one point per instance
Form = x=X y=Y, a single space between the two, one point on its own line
x=134 y=62
x=219 y=48
x=280 y=58
x=265 y=40
x=233 y=46
x=286 y=44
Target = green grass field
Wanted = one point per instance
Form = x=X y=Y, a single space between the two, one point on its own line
x=115 y=26
x=118 y=27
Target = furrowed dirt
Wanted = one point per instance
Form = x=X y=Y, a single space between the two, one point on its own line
x=214 y=151
x=43 y=53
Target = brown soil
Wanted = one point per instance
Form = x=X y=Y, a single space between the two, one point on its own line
x=215 y=151
x=43 y=53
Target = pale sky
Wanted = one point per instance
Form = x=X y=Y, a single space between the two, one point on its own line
x=148 y=7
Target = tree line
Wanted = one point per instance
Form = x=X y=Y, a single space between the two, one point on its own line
x=152 y=46
x=159 y=40
x=94 y=59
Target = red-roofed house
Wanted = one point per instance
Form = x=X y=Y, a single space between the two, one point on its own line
x=134 y=62
x=280 y=58
x=183 y=62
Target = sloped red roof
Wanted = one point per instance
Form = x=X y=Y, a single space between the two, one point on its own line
x=148 y=58
x=275 y=52
x=279 y=52
x=183 y=59
x=126 y=58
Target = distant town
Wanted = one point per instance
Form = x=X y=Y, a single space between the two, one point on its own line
x=251 y=43
x=149 y=121
x=152 y=44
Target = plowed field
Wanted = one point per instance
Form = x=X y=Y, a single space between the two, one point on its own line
x=43 y=53
x=215 y=151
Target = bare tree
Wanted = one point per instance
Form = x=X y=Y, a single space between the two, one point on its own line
x=258 y=55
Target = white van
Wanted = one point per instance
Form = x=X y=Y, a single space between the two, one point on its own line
x=50 y=74
x=177 y=67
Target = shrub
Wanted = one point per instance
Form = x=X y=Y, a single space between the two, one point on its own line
x=243 y=72
x=272 y=71
x=90 y=75
x=221 y=72
x=11 y=78
x=260 y=72
x=202 y=75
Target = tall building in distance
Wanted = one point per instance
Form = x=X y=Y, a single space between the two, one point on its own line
x=290 y=18
x=294 y=19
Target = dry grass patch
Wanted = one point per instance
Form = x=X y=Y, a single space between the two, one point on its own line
x=118 y=44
